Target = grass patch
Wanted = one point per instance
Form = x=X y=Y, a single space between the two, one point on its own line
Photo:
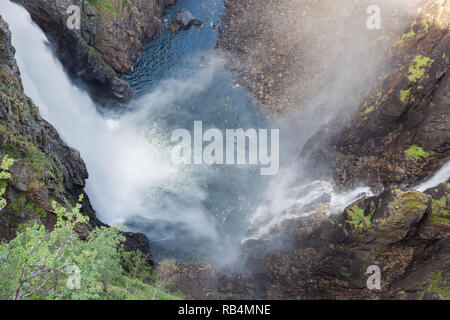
x=417 y=68
x=369 y=110
x=427 y=22
x=357 y=219
x=113 y=7
x=406 y=97
x=416 y=153
x=439 y=286
x=92 y=51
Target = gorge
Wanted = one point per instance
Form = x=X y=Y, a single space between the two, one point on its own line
x=352 y=150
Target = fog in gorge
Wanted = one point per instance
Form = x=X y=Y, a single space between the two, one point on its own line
x=200 y=213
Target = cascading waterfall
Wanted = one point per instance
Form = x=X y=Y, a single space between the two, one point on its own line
x=120 y=161
x=200 y=213
x=190 y=212
x=441 y=176
x=187 y=212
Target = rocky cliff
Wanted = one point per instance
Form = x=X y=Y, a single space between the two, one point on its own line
x=45 y=168
x=397 y=136
x=108 y=41
x=401 y=133
x=386 y=91
x=284 y=51
x=404 y=233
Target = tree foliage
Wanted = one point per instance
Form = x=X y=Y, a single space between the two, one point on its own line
x=53 y=263
x=4 y=175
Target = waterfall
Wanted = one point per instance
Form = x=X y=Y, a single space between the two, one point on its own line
x=442 y=175
x=121 y=162
x=187 y=212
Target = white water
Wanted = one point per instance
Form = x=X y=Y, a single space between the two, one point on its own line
x=129 y=160
x=122 y=162
x=287 y=199
x=443 y=175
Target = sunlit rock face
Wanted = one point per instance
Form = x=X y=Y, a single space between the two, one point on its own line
x=399 y=135
x=108 y=41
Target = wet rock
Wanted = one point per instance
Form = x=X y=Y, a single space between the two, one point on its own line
x=122 y=90
x=197 y=23
x=90 y=24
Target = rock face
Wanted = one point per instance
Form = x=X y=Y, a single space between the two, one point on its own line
x=45 y=168
x=107 y=43
x=401 y=133
x=174 y=28
x=393 y=126
x=404 y=233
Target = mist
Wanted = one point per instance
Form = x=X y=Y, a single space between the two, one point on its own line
x=338 y=62
x=205 y=213
x=124 y=162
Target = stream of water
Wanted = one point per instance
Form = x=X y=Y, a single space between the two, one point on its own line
x=200 y=213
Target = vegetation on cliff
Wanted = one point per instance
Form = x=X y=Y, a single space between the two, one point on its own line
x=56 y=264
x=4 y=175
x=47 y=236
x=55 y=252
